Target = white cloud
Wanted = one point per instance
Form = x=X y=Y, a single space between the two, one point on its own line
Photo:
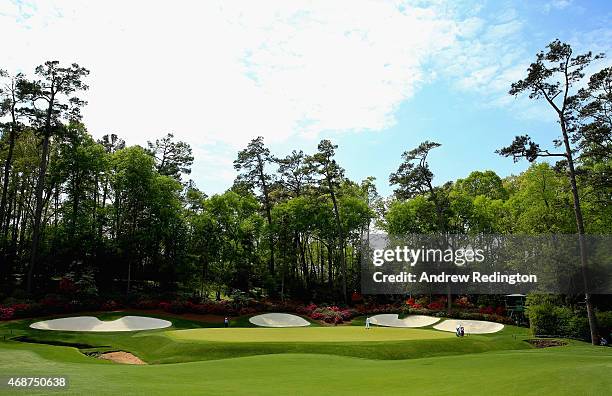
x=489 y=59
x=558 y=4
x=221 y=72
x=218 y=73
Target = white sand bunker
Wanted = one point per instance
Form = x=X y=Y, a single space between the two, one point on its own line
x=392 y=320
x=470 y=326
x=90 y=323
x=278 y=320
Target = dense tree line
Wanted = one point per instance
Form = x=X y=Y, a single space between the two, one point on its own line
x=124 y=219
x=581 y=177
x=127 y=218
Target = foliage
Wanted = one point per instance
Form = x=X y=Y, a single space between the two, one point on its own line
x=547 y=319
x=106 y=224
x=328 y=314
x=6 y=313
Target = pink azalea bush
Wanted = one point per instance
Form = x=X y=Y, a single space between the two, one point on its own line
x=6 y=313
x=328 y=314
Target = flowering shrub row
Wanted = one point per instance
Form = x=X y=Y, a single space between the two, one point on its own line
x=48 y=306
x=56 y=305
x=328 y=314
x=462 y=303
x=424 y=302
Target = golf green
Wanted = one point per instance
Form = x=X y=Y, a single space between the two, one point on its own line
x=314 y=334
x=191 y=359
x=571 y=370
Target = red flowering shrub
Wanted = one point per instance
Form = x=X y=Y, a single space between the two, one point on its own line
x=317 y=316
x=6 y=313
x=332 y=314
x=307 y=310
x=486 y=310
x=425 y=302
x=435 y=306
x=25 y=310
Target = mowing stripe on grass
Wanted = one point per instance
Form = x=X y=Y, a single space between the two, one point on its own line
x=315 y=334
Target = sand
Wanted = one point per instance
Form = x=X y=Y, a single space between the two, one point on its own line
x=392 y=320
x=470 y=326
x=278 y=320
x=121 y=357
x=90 y=323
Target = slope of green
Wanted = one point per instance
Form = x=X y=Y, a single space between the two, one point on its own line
x=571 y=370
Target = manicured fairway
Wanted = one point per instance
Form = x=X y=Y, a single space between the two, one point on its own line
x=572 y=370
x=314 y=334
x=314 y=360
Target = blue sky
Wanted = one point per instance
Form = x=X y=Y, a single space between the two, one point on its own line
x=376 y=77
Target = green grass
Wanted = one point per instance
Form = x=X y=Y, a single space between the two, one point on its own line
x=315 y=334
x=314 y=360
x=572 y=370
x=163 y=346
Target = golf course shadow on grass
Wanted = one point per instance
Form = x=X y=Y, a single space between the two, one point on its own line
x=58 y=343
